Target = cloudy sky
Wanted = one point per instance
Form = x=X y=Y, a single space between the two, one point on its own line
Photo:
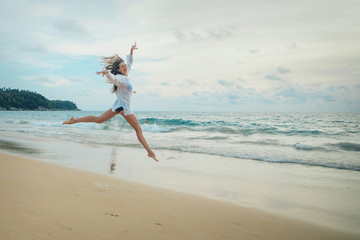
x=195 y=55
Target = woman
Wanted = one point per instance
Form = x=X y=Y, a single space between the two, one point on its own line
x=117 y=73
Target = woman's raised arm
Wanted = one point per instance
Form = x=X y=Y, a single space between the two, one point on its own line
x=132 y=48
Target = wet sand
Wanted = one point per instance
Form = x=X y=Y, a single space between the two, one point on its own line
x=46 y=201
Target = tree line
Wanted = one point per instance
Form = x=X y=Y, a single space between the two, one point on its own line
x=15 y=99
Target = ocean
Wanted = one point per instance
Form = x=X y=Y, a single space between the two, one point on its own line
x=328 y=140
x=288 y=162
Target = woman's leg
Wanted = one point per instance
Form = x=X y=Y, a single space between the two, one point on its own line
x=104 y=117
x=133 y=121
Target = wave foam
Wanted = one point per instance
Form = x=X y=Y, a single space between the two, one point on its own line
x=154 y=128
x=270 y=159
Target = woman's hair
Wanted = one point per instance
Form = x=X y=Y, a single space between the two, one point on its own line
x=112 y=64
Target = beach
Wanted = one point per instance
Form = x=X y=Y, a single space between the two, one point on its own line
x=46 y=201
x=293 y=167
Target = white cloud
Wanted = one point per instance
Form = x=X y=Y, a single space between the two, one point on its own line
x=36 y=47
x=283 y=70
x=225 y=83
x=71 y=28
x=53 y=81
x=235 y=51
x=273 y=77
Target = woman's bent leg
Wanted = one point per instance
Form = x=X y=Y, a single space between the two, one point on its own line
x=133 y=121
x=104 y=117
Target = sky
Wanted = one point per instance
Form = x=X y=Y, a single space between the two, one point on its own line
x=193 y=55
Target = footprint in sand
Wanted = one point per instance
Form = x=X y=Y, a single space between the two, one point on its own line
x=111 y=214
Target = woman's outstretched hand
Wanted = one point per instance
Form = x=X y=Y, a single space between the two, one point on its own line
x=133 y=47
x=102 y=72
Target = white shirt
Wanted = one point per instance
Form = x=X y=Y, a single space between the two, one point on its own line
x=124 y=88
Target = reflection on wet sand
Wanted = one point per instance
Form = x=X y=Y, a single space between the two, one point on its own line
x=113 y=160
x=17 y=147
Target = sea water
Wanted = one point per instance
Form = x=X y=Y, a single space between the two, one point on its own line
x=329 y=140
x=306 y=165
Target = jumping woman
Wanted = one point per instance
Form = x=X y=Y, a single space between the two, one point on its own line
x=116 y=72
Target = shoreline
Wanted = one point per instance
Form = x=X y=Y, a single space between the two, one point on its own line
x=42 y=200
x=318 y=196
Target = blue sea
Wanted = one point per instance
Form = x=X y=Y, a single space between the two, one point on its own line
x=302 y=164
x=328 y=140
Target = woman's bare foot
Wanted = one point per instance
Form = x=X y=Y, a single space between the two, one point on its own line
x=70 y=121
x=153 y=156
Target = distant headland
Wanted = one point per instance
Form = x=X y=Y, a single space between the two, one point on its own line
x=24 y=100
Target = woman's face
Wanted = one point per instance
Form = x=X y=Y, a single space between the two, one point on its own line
x=123 y=68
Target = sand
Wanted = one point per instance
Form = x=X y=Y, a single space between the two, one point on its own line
x=40 y=200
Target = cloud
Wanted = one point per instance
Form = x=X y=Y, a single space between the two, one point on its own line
x=289 y=94
x=283 y=70
x=329 y=98
x=189 y=36
x=43 y=10
x=220 y=33
x=254 y=51
x=53 y=81
x=225 y=83
x=293 y=46
x=286 y=97
x=215 y=33
x=187 y=83
x=189 y=49
x=31 y=46
x=232 y=97
x=273 y=77
x=334 y=88
x=311 y=94
x=72 y=28
x=180 y=36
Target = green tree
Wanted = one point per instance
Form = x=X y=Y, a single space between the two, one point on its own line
x=27 y=100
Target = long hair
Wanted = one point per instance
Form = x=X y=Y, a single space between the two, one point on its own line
x=112 y=64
